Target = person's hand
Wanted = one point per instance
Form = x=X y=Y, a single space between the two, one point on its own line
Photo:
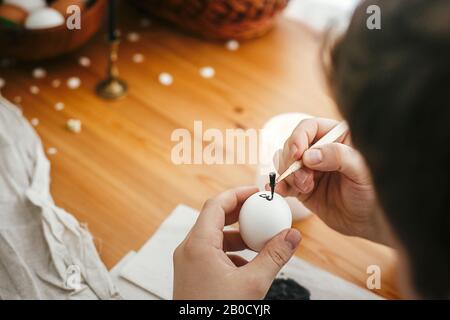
x=203 y=268
x=334 y=183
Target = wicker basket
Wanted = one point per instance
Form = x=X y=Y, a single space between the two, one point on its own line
x=32 y=45
x=217 y=19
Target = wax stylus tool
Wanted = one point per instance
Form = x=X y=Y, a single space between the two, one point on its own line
x=330 y=137
x=272 y=183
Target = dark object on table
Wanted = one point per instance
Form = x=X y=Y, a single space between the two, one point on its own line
x=218 y=19
x=112 y=87
x=112 y=20
x=287 y=289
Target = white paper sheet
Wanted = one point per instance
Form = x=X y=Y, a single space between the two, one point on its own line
x=128 y=290
x=152 y=268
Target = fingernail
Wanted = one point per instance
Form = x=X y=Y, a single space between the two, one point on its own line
x=293 y=238
x=313 y=156
x=293 y=150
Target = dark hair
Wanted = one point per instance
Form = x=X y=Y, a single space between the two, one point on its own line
x=393 y=87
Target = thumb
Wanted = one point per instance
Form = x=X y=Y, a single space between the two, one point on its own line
x=275 y=254
x=336 y=157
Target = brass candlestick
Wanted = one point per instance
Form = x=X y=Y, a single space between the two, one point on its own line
x=112 y=87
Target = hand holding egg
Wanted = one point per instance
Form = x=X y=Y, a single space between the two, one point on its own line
x=205 y=266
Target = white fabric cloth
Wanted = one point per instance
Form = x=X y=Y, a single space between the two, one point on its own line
x=44 y=252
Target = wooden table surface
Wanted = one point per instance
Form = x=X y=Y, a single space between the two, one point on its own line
x=117 y=175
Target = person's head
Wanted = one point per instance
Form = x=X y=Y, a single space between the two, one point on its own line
x=393 y=87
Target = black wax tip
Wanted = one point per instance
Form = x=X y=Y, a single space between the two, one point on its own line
x=272 y=177
x=272 y=184
x=287 y=289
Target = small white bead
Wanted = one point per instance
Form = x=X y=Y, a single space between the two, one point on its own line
x=73 y=83
x=59 y=106
x=34 y=122
x=56 y=83
x=207 y=72
x=39 y=73
x=138 y=58
x=51 y=151
x=84 y=61
x=133 y=37
x=74 y=125
x=165 y=79
x=232 y=45
x=34 y=89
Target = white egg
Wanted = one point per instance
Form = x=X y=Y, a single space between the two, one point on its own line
x=260 y=219
x=44 y=18
x=27 y=5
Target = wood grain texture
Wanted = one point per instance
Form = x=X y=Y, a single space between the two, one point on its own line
x=117 y=176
